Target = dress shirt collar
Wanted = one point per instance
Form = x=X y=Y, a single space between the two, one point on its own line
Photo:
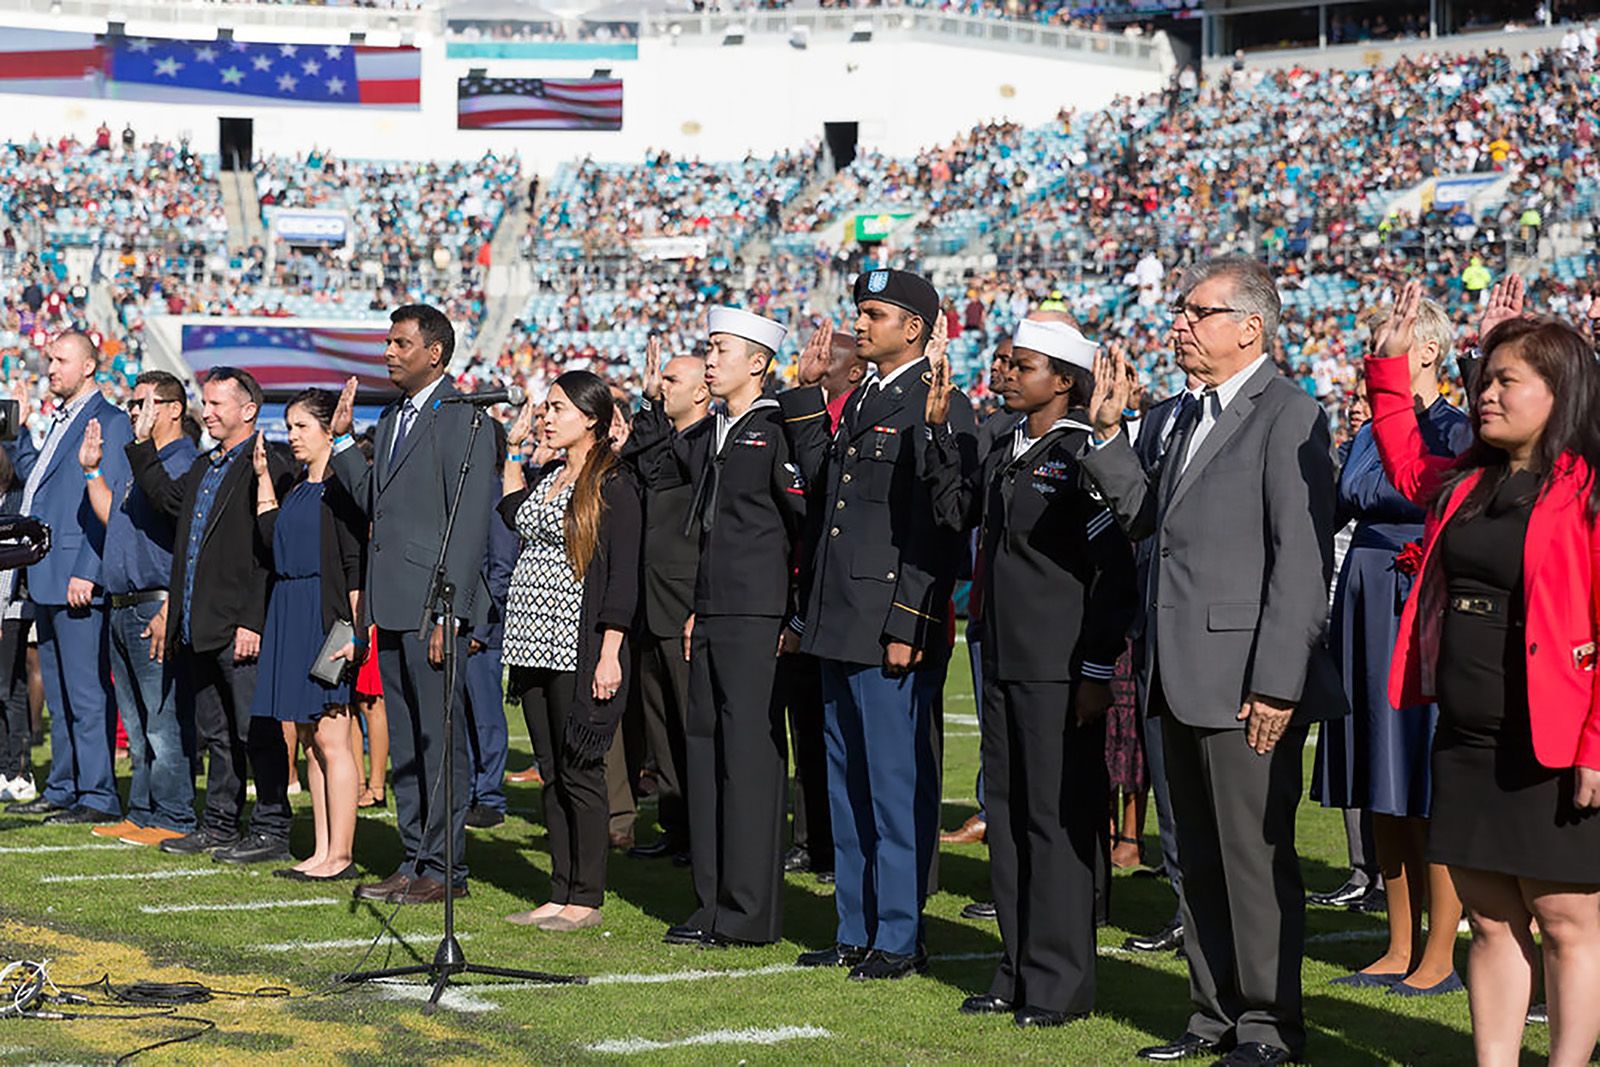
x=1227 y=390
x=419 y=401
x=888 y=379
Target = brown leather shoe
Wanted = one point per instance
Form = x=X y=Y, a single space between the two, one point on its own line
x=531 y=775
x=425 y=890
x=398 y=882
x=622 y=842
x=971 y=833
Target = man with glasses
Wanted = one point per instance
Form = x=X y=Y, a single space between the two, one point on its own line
x=136 y=572
x=1240 y=510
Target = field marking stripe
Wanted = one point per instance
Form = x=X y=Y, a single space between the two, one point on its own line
x=344 y=942
x=254 y=905
x=35 y=850
x=628 y=1046
x=57 y=879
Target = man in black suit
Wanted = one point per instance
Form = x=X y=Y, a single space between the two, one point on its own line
x=420 y=449
x=877 y=616
x=213 y=620
x=675 y=400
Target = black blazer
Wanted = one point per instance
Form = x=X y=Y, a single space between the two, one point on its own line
x=343 y=565
x=233 y=568
x=610 y=599
x=671 y=556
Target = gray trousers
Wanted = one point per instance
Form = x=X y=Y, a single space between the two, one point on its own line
x=1243 y=901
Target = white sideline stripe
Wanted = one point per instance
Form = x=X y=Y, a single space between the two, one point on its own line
x=343 y=942
x=35 y=850
x=254 y=905
x=53 y=879
x=628 y=1046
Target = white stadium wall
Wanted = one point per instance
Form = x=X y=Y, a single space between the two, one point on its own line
x=694 y=98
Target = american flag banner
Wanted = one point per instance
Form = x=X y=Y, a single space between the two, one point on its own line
x=168 y=70
x=292 y=357
x=539 y=104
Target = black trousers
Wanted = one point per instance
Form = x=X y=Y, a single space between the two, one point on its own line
x=413 y=693
x=799 y=687
x=218 y=693
x=1044 y=791
x=576 y=808
x=16 y=735
x=737 y=777
x=663 y=693
x=1243 y=902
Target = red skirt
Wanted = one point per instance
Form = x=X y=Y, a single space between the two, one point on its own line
x=368 y=682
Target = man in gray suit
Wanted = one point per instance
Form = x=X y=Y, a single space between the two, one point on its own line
x=1241 y=512
x=406 y=492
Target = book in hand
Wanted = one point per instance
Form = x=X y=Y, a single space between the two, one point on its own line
x=328 y=670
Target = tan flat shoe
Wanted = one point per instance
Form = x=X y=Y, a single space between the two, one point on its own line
x=560 y=924
x=530 y=918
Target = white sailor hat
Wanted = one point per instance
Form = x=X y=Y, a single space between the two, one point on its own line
x=1057 y=340
x=746 y=324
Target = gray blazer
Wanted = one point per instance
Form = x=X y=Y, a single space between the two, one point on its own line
x=406 y=498
x=1237 y=594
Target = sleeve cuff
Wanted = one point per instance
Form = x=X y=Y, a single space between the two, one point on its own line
x=1100 y=524
x=1096 y=672
x=797 y=624
x=1096 y=444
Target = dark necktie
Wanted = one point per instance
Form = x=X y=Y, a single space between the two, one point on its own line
x=1187 y=419
x=404 y=418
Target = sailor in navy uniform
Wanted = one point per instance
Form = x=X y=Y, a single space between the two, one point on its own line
x=1059 y=592
x=748 y=507
x=877 y=616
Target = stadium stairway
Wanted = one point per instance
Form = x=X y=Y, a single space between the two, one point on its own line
x=507 y=288
x=242 y=206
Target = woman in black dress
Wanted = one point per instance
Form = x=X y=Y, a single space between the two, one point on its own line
x=1501 y=628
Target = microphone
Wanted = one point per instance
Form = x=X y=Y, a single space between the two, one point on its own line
x=488 y=398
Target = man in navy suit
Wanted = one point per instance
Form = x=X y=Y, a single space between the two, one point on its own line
x=69 y=607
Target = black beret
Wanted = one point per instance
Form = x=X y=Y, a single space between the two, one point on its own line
x=902 y=289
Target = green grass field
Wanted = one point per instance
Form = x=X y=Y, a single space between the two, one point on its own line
x=99 y=910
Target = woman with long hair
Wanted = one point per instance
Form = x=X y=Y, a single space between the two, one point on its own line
x=1500 y=628
x=568 y=610
x=317 y=538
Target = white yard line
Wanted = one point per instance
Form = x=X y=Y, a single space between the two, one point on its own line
x=56 y=879
x=345 y=942
x=629 y=1046
x=35 y=850
x=254 y=905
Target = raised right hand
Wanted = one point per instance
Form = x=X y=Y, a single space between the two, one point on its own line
x=815 y=357
x=145 y=424
x=1112 y=393
x=1398 y=335
x=1506 y=301
x=519 y=430
x=652 y=368
x=259 y=457
x=344 y=413
x=93 y=448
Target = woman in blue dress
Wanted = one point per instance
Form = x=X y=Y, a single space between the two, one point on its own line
x=317 y=540
x=1377 y=758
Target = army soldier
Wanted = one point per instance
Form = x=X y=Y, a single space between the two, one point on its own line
x=877 y=616
x=1060 y=593
x=749 y=502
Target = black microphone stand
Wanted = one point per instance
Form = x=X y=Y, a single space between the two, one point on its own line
x=448 y=959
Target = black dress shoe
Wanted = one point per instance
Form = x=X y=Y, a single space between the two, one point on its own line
x=825 y=877
x=661 y=848
x=253 y=848
x=797 y=859
x=1169 y=939
x=1255 y=1054
x=832 y=956
x=1375 y=899
x=82 y=816
x=885 y=965
x=684 y=934
x=716 y=940
x=291 y=874
x=1190 y=1044
x=980 y=909
x=1539 y=1015
x=1026 y=1017
x=1344 y=896
x=203 y=839
x=481 y=818
x=985 y=1004
x=37 y=806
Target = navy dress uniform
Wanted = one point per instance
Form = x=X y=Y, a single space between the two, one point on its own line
x=882 y=572
x=748 y=507
x=1059 y=593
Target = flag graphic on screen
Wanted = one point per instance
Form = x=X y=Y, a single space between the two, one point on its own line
x=292 y=357
x=539 y=104
x=208 y=72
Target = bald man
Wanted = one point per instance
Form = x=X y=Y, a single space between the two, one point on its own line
x=675 y=399
x=68 y=602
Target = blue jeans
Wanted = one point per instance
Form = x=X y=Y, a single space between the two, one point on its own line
x=488 y=739
x=160 y=750
x=883 y=791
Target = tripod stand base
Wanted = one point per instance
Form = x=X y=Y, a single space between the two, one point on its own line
x=449 y=960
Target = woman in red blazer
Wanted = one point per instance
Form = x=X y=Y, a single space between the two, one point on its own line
x=1500 y=628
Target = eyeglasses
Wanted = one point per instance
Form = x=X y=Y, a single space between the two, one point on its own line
x=135 y=404
x=1197 y=313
